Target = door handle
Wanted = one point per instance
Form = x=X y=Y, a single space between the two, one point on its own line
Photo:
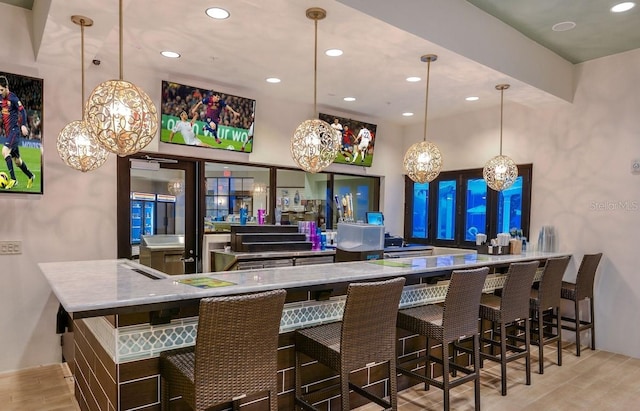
x=188 y=260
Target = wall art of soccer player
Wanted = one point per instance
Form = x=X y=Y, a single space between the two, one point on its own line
x=358 y=139
x=21 y=134
x=202 y=117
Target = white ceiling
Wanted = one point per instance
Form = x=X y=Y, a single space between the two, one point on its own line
x=265 y=38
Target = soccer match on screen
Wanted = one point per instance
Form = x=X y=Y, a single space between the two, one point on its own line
x=206 y=118
x=21 y=134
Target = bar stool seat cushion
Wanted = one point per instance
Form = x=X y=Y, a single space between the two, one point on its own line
x=424 y=320
x=568 y=291
x=322 y=343
x=490 y=307
x=180 y=365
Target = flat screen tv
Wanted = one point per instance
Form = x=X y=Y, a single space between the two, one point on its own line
x=206 y=118
x=375 y=217
x=358 y=140
x=21 y=134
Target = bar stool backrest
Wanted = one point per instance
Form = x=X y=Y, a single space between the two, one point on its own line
x=460 y=313
x=369 y=322
x=586 y=275
x=236 y=346
x=551 y=283
x=514 y=303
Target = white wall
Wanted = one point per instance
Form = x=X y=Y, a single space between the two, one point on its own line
x=75 y=219
x=581 y=155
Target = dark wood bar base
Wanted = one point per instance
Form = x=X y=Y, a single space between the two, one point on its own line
x=115 y=357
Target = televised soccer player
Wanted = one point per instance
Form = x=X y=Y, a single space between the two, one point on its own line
x=364 y=138
x=347 y=141
x=215 y=106
x=14 y=120
x=336 y=124
x=185 y=128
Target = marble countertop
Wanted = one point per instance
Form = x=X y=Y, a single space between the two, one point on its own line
x=92 y=288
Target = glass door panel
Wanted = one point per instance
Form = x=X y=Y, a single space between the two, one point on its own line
x=420 y=211
x=446 y=214
x=510 y=208
x=475 y=212
x=163 y=215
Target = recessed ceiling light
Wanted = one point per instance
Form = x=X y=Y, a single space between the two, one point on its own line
x=407 y=114
x=413 y=79
x=563 y=26
x=170 y=54
x=349 y=99
x=472 y=98
x=273 y=80
x=217 y=13
x=333 y=52
x=622 y=7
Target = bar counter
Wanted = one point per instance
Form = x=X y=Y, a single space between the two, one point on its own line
x=122 y=315
x=94 y=288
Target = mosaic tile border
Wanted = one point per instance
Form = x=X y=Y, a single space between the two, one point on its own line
x=137 y=342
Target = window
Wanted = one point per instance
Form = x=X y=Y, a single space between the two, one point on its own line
x=214 y=192
x=475 y=210
x=446 y=210
x=462 y=206
x=363 y=193
x=509 y=213
x=419 y=211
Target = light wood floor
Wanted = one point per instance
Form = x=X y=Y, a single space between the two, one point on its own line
x=598 y=380
x=46 y=388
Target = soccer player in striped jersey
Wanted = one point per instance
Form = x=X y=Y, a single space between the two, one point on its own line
x=14 y=121
x=215 y=105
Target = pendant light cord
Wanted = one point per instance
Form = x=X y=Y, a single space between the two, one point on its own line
x=82 y=65
x=120 y=42
x=426 y=102
x=315 y=69
x=501 y=110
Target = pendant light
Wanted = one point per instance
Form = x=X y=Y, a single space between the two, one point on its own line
x=120 y=114
x=176 y=187
x=423 y=161
x=315 y=143
x=501 y=171
x=77 y=147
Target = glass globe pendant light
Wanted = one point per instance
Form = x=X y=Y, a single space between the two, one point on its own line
x=120 y=114
x=77 y=147
x=423 y=160
x=315 y=143
x=501 y=171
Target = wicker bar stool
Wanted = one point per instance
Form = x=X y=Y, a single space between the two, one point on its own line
x=456 y=320
x=365 y=336
x=235 y=353
x=546 y=299
x=578 y=291
x=510 y=308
